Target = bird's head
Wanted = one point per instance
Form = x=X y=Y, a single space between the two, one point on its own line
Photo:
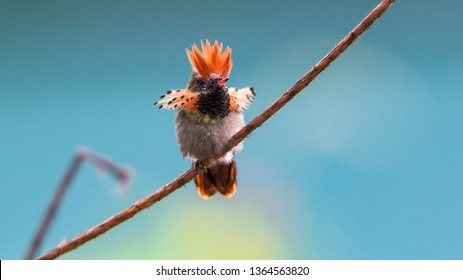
x=211 y=67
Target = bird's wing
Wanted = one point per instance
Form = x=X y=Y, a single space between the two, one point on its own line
x=240 y=99
x=175 y=99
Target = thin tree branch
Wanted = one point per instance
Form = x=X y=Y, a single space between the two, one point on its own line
x=146 y=202
x=53 y=207
x=122 y=175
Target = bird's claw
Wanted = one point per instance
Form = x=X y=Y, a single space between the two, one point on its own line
x=200 y=167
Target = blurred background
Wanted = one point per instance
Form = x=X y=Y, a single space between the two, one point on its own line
x=366 y=163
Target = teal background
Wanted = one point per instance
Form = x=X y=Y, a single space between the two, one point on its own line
x=366 y=163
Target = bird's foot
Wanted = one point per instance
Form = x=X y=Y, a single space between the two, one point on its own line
x=200 y=167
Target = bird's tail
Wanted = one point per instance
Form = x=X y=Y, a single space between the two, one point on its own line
x=220 y=177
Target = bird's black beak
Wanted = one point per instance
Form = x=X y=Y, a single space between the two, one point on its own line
x=223 y=81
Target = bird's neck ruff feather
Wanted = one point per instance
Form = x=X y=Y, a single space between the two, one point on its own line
x=211 y=60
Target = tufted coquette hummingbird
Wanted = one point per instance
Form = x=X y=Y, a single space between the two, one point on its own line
x=208 y=114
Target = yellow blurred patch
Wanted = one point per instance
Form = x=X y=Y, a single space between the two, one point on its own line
x=221 y=230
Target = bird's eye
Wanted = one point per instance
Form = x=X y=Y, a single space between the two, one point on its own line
x=200 y=83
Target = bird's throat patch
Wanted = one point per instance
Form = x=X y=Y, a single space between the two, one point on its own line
x=216 y=104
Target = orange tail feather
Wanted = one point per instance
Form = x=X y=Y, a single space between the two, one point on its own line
x=221 y=177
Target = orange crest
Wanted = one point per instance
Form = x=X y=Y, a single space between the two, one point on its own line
x=211 y=60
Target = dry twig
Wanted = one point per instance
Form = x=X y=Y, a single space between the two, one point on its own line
x=120 y=173
x=237 y=138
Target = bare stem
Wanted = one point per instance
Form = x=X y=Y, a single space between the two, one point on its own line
x=146 y=202
x=53 y=207
x=103 y=163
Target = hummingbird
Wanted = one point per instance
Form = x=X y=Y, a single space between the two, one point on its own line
x=208 y=114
